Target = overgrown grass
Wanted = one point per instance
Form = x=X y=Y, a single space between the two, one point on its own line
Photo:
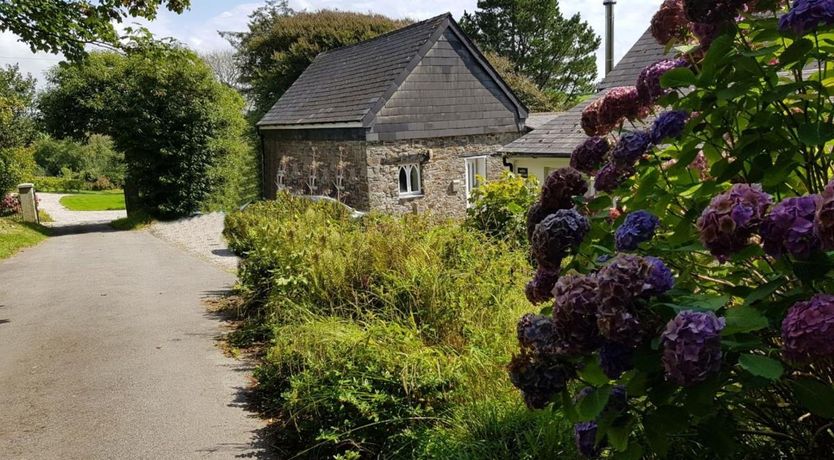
x=95 y=201
x=382 y=332
x=16 y=235
x=136 y=221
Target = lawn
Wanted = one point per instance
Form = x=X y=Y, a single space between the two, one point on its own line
x=95 y=201
x=15 y=235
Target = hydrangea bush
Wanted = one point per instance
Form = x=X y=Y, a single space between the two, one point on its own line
x=688 y=299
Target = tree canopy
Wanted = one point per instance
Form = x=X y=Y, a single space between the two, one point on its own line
x=164 y=109
x=555 y=52
x=17 y=128
x=67 y=26
x=281 y=43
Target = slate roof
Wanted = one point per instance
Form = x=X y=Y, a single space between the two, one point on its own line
x=560 y=136
x=536 y=120
x=345 y=87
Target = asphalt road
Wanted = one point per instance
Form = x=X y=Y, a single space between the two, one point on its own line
x=107 y=351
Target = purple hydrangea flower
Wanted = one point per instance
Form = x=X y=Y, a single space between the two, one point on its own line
x=692 y=347
x=639 y=227
x=585 y=436
x=590 y=121
x=539 y=377
x=669 y=125
x=712 y=11
x=824 y=217
x=557 y=235
x=611 y=176
x=537 y=335
x=661 y=279
x=540 y=288
x=631 y=147
x=615 y=359
x=790 y=228
x=588 y=156
x=620 y=103
x=731 y=218
x=535 y=215
x=622 y=283
x=649 y=88
x=669 y=23
x=808 y=329
x=575 y=313
x=706 y=33
x=560 y=187
x=806 y=15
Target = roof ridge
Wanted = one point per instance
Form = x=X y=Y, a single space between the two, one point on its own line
x=389 y=33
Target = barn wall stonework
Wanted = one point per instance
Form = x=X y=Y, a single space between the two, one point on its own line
x=443 y=173
x=294 y=160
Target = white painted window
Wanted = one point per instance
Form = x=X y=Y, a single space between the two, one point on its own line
x=409 y=178
x=475 y=169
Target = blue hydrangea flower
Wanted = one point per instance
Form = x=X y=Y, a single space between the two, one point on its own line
x=585 y=436
x=638 y=227
x=615 y=359
x=805 y=16
x=790 y=228
x=661 y=279
x=631 y=147
x=669 y=125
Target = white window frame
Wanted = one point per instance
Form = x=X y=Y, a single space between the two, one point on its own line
x=411 y=189
x=479 y=164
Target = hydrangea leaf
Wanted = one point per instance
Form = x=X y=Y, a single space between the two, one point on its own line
x=680 y=77
x=816 y=396
x=593 y=374
x=764 y=291
x=744 y=319
x=592 y=405
x=761 y=366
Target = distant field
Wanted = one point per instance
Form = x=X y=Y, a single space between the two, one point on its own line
x=95 y=201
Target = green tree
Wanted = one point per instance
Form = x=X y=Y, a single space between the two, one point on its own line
x=163 y=108
x=17 y=129
x=280 y=44
x=531 y=95
x=67 y=26
x=557 y=53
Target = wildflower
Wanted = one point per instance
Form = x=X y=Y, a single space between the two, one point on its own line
x=692 y=347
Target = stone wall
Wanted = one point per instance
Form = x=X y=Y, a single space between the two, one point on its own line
x=443 y=171
x=293 y=159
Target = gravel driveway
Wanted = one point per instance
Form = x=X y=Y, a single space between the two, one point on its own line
x=63 y=217
x=200 y=235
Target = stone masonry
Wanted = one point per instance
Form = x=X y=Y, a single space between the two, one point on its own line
x=370 y=170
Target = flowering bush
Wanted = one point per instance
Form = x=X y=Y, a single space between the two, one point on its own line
x=9 y=205
x=708 y=242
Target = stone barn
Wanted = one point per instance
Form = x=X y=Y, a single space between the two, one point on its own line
x=408 y=121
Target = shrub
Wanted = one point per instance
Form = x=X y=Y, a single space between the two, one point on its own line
x=102 y=183
x=58 y=184
x=9 y=205
x=499 y=208
x=89 y=161
x=343 y=386
x=16 y=164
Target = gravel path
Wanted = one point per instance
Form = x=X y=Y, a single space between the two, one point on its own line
x=200 y=235
x=108 y=352
x=63 y=217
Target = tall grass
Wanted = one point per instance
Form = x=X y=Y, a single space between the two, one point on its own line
x=384 y=330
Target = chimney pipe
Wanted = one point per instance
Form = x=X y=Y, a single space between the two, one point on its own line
x=609 y=35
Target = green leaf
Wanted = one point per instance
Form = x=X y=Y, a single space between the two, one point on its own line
x=592 y=405
x=618 y=437
x=634 y=452
x=761 y=366
x=816 y=396
x=815 y=133
x=678 y=78
x=744 y=319
x=593 y=374
x=764 y=291
x=797 y=52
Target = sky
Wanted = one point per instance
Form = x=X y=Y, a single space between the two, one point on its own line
x=198 y=27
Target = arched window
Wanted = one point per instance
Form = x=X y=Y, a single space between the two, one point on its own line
x=409 y=178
